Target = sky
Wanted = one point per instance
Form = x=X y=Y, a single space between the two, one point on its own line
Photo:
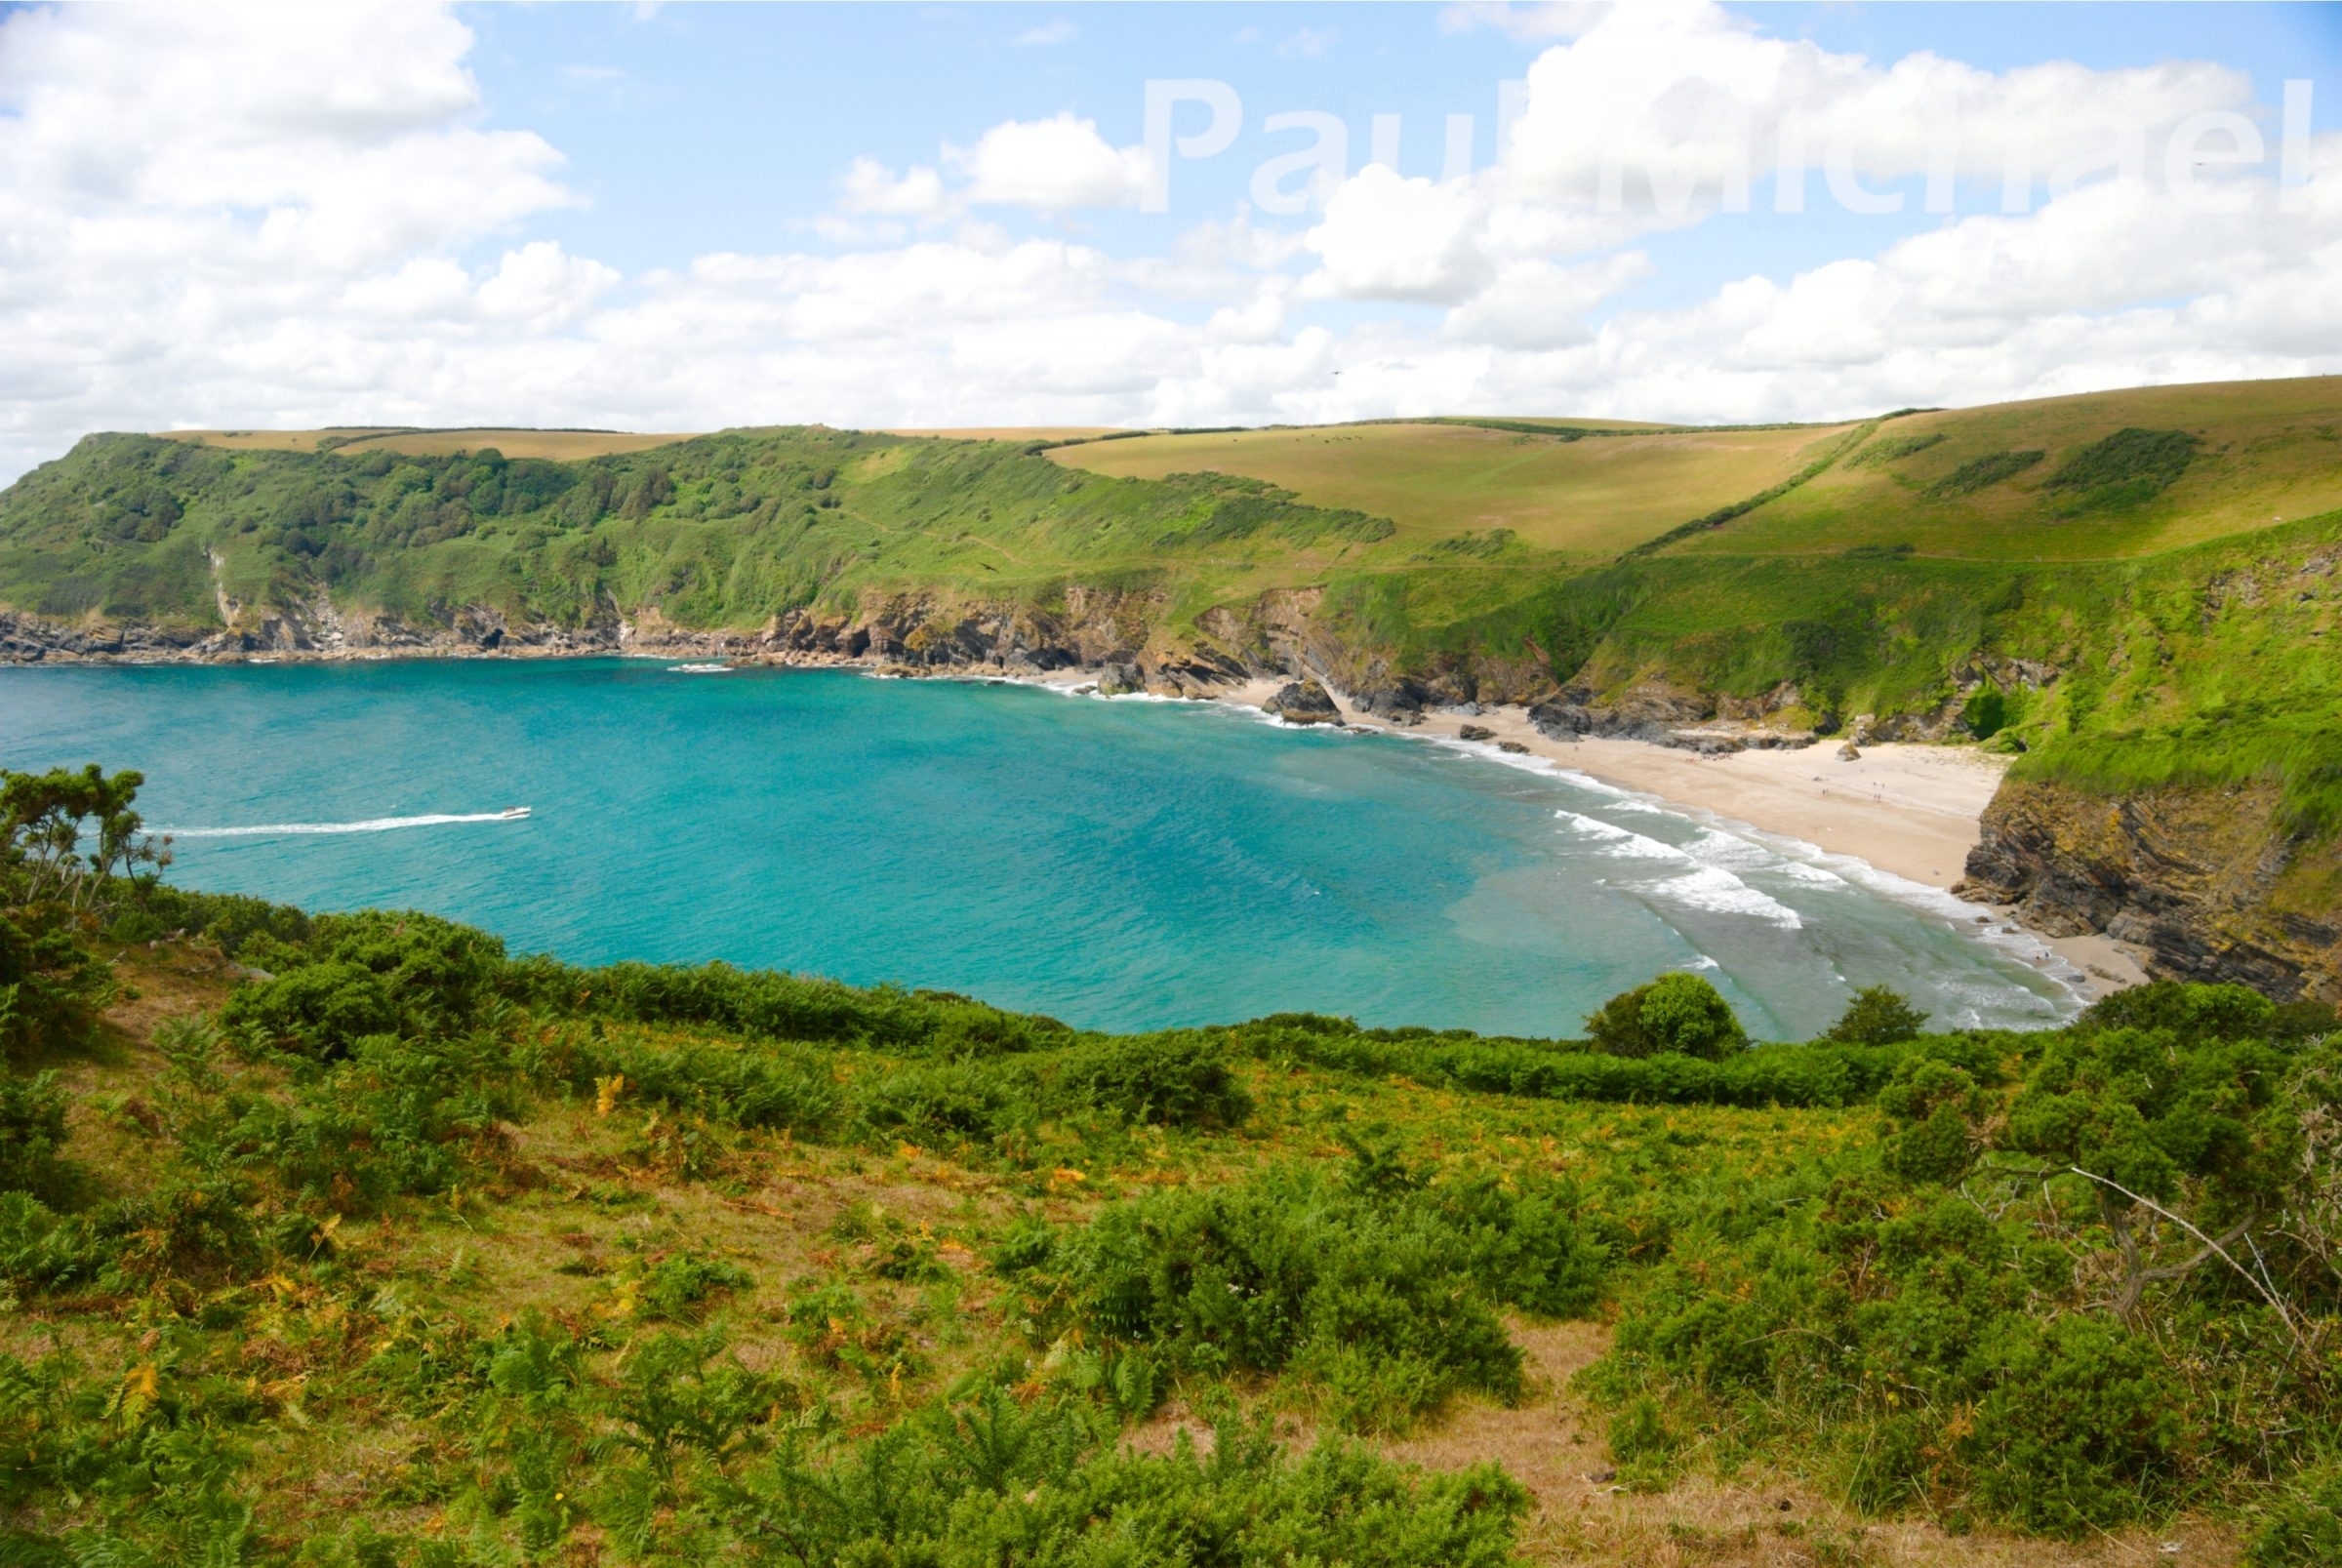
x=684 y=218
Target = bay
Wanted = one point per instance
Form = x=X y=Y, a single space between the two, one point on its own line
x=1124 y=863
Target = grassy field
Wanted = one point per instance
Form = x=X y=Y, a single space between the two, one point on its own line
x=560 y=446
x=1009 y=432
x=2263 y=453
x=1586 y=498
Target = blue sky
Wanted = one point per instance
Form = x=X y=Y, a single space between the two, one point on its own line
x=687 y=216
x=702 y=128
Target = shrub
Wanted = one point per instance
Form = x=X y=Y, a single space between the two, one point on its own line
x=2126 y=468
x=1678 y=1014
x=1177 y=1080
x=32 y=1128
x=763 y=1086
x=989 y=1481
x=679 y=1286
x=1387 y=1298
x=2191 y=1012
x=51 y=985
x=2075 y=1427
x=1877 y=1016
x=1940 y=1109
x=1985 y=713
x=2303 y=1529
x=371 y=972
x=1982 y=473
x=950 y=1103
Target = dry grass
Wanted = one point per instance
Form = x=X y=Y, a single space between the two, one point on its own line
x=275 y=440
x=2272 y=451
x=563 y=446
x=1008 y=432
x=1591 y=497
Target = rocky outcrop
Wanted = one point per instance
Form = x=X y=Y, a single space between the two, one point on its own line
x=1303 y=702
x=2205 y=879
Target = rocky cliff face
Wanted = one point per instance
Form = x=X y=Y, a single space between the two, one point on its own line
x=2207 y=880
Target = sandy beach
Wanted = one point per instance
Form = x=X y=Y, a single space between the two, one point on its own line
x=1910 y=810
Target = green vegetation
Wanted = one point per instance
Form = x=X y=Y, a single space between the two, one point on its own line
x=2126 y=469
x=1978 y=473
x=1677 y=1014
x=2151 y=611
x=381 y=1246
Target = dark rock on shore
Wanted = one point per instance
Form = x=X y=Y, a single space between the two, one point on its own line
x=1119 y=680
x=1560 y=719
x=1303 y=702
x=1475 y=732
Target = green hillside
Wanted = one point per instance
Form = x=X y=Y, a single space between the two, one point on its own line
x=2134 y=588
x=2103 y=476
x=355 y=1242
x=1584 y=496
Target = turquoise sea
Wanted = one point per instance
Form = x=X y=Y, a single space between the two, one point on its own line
x=1118 y=864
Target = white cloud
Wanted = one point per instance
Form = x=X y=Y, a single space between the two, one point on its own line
x=1060 y=31
x=1052 y=165
x=1384 y=237
x=540 y=288
x=1698 y=99
x=1309 y=43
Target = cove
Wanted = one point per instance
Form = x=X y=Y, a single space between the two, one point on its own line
x=1120 y=865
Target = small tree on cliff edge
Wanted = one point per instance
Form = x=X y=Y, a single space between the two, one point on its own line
x=1678 y=1014
x=1878 y=1014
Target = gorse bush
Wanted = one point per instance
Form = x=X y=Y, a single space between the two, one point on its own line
x=2020 y=1310
x=32 y=1129
x=1179 y=1080
x=414 y=976
x=1387 y=1295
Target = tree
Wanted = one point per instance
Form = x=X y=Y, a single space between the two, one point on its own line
x=1677 y=1014
x=47 y=818
x=1878 y=1014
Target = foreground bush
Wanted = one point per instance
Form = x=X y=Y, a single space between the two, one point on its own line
x=1384 y=1292
x=2073 y=1303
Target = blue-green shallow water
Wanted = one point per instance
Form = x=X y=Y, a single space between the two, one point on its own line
x=1120 y=865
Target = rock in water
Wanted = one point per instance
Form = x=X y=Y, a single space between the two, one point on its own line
x=1303 y=702
x=1475 y=732
x=1514 y=747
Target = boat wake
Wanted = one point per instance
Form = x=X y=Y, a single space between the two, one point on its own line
x=372 y=824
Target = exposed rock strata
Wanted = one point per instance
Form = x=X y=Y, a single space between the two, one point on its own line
x=2205 y=879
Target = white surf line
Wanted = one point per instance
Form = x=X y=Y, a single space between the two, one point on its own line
x=1813 y=859
x=372 y=824
x=1797 y=858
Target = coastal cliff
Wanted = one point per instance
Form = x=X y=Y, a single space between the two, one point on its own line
x=2169 y=711
x=2211 y=881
